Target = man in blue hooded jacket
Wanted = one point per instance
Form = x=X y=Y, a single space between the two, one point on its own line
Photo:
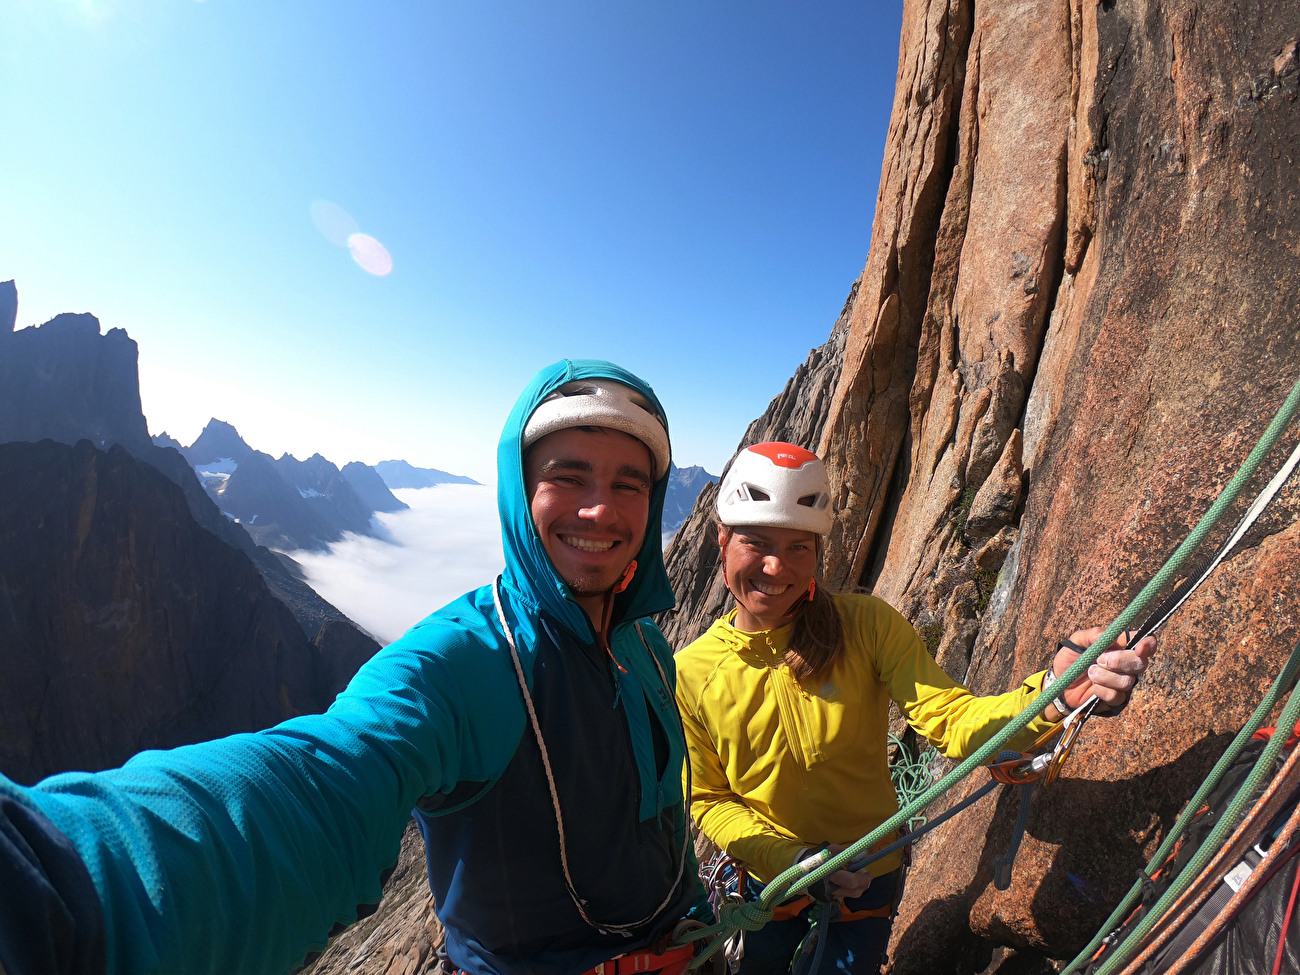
x=530 y=725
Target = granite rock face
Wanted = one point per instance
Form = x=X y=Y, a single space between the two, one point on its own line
x=1077 y=316
x=402 y=936
x=126 y=625
x=1093 y=359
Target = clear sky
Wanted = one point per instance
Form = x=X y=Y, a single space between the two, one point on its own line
x=685 y=187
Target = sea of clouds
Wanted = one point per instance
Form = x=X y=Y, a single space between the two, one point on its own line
x=448 y=543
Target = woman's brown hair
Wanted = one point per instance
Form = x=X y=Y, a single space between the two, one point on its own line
x=817 y=642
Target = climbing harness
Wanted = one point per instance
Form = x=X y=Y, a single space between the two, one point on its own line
x=626 y=929
x=752 y=915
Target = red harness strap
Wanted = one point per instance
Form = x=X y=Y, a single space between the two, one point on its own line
x=671 y=962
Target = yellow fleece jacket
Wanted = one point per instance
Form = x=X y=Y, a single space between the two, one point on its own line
x=777 y=766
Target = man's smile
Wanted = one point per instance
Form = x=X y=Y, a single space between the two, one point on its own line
x=587 y=544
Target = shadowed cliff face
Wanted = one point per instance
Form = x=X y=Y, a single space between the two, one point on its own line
x=1077 y=315
x=66 y=382
x=125 y=625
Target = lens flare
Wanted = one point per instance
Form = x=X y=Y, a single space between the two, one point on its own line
x=370 y=254
x=335 y=224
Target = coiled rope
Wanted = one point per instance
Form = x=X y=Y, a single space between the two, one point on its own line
x=801 y=876
x=911 y=775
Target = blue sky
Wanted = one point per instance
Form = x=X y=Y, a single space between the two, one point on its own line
x=686 y=188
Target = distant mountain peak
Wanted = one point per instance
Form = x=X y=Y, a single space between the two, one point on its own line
x=684 y=486
x=399 y=474
x=218 y=440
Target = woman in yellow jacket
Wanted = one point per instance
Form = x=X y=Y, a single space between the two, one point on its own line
x=786 y=707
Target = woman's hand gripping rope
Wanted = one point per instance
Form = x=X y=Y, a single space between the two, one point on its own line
x=1110 y=679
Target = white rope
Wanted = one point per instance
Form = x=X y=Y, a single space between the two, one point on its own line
x=1265 y=498
x=1262 y=501
x=578 y=902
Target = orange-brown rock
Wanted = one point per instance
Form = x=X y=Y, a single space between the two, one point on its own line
x=1077 y=315
x=402 y=936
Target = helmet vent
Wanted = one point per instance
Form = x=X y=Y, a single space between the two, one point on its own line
x=756 y=495
x=808 y=501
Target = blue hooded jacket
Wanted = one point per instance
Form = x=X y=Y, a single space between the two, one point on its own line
x=242 y=854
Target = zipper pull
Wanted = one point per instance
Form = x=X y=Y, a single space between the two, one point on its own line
x=618 y=684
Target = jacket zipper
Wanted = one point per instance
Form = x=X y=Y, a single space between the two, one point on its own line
x=789 y=718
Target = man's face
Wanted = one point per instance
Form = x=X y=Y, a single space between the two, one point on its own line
x=589 y=493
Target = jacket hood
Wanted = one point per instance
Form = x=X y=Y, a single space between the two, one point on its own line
x=529 y=574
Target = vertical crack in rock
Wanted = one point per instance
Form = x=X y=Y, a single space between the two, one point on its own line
x=873 y=403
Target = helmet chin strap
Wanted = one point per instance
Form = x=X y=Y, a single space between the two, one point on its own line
x=607 y=610
x=806 y=597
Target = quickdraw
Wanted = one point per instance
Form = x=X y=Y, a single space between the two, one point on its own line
x=1029 y=767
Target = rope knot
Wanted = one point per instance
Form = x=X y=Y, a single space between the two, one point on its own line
x=749 y=916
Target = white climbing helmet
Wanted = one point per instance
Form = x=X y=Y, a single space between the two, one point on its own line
x=602 y=403
x=778 y=485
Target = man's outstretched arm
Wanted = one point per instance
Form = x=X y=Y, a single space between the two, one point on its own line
x=242 y=854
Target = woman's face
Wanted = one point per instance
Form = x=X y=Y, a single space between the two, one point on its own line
x=768 y=570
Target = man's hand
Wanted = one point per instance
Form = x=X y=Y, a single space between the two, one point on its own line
x=1111 y=678
x=847 y=884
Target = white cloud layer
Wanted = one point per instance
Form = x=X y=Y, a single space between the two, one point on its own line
x=448 y=543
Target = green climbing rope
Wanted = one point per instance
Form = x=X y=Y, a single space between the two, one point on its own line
x=1283 y=683
x=801 y=876
x=911 y=775
x=1264 y=769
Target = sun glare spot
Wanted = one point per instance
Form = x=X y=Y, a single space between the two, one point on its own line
x=335 y=224
x=370 y=254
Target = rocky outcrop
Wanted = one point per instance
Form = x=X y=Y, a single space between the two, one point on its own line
x=164 y=439
x=402 y=936
x=126 y=625
x=8 y=306
x=66 y=382
x=371 y=489
x=798 y=416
